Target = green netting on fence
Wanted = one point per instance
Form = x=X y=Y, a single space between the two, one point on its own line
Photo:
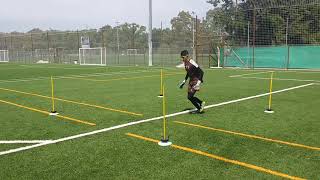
x=272 y=57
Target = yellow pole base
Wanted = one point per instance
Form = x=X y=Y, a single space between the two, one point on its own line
x=53 y=113
x=164 y=142
x=269 y=111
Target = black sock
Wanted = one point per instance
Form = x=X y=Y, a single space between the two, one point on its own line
x=198 y=100
x=194 y=102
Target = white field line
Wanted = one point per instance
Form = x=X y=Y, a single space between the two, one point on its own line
x=275 y=69
x=71 y=76
x=250 y=74
x=90 y=67
x=308 y=72
x=24 y=141
x=283 y=79
x=79 y=67
x=108 y=66
x=14 y=68
x=260 y=95
x=37 y=66
x=153 y=67
x=102 y=74
x=141 y=121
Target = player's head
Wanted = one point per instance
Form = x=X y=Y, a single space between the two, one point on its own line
x=184 y=55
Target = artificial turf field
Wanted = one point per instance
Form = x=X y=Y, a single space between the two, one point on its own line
x=233 y=139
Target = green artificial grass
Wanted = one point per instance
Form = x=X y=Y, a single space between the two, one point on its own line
x=114 y=155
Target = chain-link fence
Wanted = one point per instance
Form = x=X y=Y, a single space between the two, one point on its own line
x=282 y=34
x=63 y=47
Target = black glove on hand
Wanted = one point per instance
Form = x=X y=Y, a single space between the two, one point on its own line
x=182 y=84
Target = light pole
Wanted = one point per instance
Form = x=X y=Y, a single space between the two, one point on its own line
x=118 y=44
x=150 y=33
x=193 y=29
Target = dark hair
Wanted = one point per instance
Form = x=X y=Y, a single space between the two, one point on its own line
x=184 y=53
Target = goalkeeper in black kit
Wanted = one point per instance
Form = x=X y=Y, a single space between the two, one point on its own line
x=195 y=75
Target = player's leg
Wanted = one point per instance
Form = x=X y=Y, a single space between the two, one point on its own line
x=195 y=86
x=201 y=103
x=197 y=100
x=193 y=100
x=191 y=93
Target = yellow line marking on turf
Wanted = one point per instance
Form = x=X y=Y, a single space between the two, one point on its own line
x=250 y=166
x=251 y=136
x=45 y=112
x=239 y=75
x=124 y=78
x=107 y=80
x=75 y=120
x=143 y=138
x=283 y=79
x=74 y=102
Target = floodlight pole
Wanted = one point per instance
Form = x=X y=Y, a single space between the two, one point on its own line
x=150 y=33
x=248 y=44
x=196 y=40
x=254 y=35
x=118 y=40
x=5 y=43
x=287 y=26
x=78 y=37
x=32 y=49
x=288 y=48
x=193 y=31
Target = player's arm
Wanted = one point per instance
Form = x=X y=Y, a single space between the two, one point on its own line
x=200 y=74
x=186 y=78
x=184 y=81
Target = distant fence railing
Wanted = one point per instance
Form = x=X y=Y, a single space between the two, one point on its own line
x=284 y=57
x=161 y=57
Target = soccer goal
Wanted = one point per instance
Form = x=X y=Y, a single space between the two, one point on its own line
x=4 y=56
x=132 y=52
x=93 y=56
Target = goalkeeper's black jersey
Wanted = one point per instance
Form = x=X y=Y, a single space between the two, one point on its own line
x=193 y=70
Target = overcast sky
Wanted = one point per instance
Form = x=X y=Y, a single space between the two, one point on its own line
x=23 y=15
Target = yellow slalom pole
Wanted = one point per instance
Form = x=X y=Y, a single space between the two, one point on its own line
x=270 y=96
x=164 y=114
x=269 y=110
x=161 y=83
x=52 y=96
x=165 y=139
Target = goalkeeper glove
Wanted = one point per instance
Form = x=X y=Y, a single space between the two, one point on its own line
x=182 y=84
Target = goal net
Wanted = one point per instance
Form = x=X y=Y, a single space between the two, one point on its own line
x=132 y=52
x=93 y=56
x=4 y=56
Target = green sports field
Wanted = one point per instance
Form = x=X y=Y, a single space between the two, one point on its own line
x=110 y=121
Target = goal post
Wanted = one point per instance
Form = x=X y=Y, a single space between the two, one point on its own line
x=4 y=56
x=93 y=56
x=132 y=52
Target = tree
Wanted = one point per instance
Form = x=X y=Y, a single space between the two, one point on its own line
x=181 y=27
x=225 y=4
x=270 y=20
x=134 y=33
x=35 y=30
